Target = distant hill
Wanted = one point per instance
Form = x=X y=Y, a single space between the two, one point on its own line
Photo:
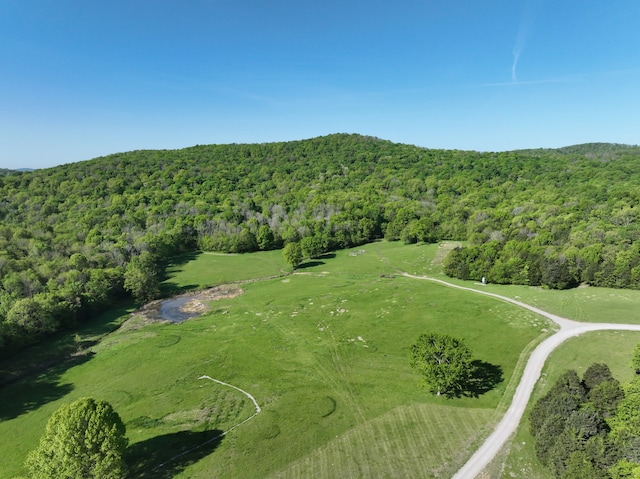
x=601 y=151
x=75 y=237
x=6 y=171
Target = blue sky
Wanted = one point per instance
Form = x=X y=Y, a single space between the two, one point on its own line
x=81 y=79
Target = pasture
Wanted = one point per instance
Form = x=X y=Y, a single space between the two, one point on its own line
x=593 y=305
x=325 y=352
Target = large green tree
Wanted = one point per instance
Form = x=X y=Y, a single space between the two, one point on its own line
x=292 y=253
x=141 y=278
x=443 y=361
x=82 y=440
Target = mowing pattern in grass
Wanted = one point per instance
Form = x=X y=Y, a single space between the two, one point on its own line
x=326 y=353
x=413 y=441
x=596 y=305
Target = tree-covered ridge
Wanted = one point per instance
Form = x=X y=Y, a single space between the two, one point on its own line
x=74 y=237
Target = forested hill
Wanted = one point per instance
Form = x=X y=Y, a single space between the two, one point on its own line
x=74 y=237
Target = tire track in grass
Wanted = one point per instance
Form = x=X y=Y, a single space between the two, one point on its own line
x=224 y=433
x=336 y=379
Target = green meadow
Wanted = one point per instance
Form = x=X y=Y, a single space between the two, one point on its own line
x=325 y=353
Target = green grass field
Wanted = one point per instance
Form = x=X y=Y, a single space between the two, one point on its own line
x=324 y=351
x=594 y=305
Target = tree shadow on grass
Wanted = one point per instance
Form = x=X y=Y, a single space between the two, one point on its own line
x=34 y=391
x=62 y=347
x=173 y=265
x=309 y=264
x=163 y=457
x=169 y=289
x=483 y=378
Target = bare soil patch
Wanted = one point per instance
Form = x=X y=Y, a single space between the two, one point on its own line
x=197 y=304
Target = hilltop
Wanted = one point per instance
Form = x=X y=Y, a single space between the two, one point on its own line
x=75 y=237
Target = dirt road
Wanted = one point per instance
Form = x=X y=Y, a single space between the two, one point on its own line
x=509 y=423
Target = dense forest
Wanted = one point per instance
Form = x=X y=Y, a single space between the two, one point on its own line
x=589 y=428
x=75 y=237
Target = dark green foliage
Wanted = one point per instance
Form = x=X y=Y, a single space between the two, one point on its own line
x=313 y=246
x=84 y=439
x=265 y=238
x=595 y=374
x=605 y=397
x=68 y=234
x=588 y=428
x=141 y=278
x=585 y=423
x=546 y=435
x=565 y=397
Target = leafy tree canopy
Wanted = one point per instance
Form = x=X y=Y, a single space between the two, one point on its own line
x=84 y=439
x=70 y=235
x=589 y=428
x=443 y=361
x=292 y=253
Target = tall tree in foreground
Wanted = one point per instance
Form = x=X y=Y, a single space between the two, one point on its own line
x=443 y=361
x=85 y=439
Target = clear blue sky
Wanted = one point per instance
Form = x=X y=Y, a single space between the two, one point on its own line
x=86 y=78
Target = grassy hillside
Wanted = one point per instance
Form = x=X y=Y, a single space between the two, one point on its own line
x=76 y=238
x=325 y=353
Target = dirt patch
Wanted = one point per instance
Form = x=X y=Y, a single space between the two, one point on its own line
x=443 y=250
x=218 y=292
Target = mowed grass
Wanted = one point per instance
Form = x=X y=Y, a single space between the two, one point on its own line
x=394 y=445
x=196 y=271
x=324 y=351
x=594 y=305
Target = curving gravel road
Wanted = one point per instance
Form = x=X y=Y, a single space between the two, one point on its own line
x=507 y=426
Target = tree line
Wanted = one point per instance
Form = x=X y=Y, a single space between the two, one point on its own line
x=589 y=428
x=76 y=238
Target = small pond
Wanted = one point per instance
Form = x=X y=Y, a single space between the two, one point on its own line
x=171 y=310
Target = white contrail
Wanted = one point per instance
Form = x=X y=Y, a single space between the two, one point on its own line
x=516 y=56
x=521 y=38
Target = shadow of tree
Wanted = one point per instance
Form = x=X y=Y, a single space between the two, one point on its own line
x=483 y=377
x=309 y=264
x=29 y=393
x=167 y=287
x=163 y=457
